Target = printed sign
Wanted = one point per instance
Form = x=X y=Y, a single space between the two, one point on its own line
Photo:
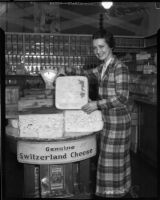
x=56 y=152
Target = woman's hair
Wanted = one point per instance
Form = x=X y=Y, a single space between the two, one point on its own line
x=108 y=36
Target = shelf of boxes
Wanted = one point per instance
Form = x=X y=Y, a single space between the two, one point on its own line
x=28 y=53
x=34 y=52
x=144 y=81
x=129 y=42
x=144 y=86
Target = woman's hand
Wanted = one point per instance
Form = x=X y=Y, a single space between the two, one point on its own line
x=90 y=107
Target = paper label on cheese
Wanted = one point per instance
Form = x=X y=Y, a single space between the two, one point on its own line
x=71 y=92
x=79 y=121
x=41 y=125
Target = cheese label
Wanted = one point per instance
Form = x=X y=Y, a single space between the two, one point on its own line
x=57 y=152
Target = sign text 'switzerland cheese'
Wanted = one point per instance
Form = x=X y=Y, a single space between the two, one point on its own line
x=56 y=152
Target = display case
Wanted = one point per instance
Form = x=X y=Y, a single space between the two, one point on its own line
x=143 y=72
x=143 y=81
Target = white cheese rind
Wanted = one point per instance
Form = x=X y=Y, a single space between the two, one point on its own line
x=71 y=92
x=41 y=125
x=78 y=121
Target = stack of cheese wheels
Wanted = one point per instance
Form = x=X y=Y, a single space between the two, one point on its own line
x=71 y=93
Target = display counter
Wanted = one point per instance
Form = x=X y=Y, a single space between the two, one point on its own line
x=54 y=167
x=53 y=137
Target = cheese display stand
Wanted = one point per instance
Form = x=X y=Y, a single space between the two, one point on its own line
x=56 y=145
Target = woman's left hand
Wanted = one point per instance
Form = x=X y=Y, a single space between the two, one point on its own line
x=90 y=107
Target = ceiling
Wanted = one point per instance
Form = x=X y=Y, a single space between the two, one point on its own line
x=124 y=18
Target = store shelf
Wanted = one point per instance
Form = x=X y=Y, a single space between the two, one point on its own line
x=28 y=53
x=37 y=51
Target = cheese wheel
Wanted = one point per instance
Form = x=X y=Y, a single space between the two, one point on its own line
x=78 y=121
x=41 y=125
x=71 y=92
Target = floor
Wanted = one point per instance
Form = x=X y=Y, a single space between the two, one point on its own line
x=144 y=177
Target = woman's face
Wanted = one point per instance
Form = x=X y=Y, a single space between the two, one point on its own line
x=101 y=49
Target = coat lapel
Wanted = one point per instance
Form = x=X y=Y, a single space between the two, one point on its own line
x=100 y=71
x=106 y=74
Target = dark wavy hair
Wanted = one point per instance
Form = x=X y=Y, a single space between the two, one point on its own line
x=108 y=36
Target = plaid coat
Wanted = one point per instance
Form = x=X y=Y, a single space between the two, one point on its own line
x=113 y=170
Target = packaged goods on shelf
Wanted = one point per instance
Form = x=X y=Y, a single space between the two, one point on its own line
x=148 y=69
x=143 y=56
x=59 y=47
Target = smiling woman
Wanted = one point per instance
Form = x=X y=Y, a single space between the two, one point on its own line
x=113 y=169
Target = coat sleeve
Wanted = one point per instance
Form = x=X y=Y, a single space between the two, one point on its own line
x=121 y=78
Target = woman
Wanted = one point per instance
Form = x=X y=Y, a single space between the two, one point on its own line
x=113 y=170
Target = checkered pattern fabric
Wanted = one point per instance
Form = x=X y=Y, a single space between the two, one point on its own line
x=113 y=170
